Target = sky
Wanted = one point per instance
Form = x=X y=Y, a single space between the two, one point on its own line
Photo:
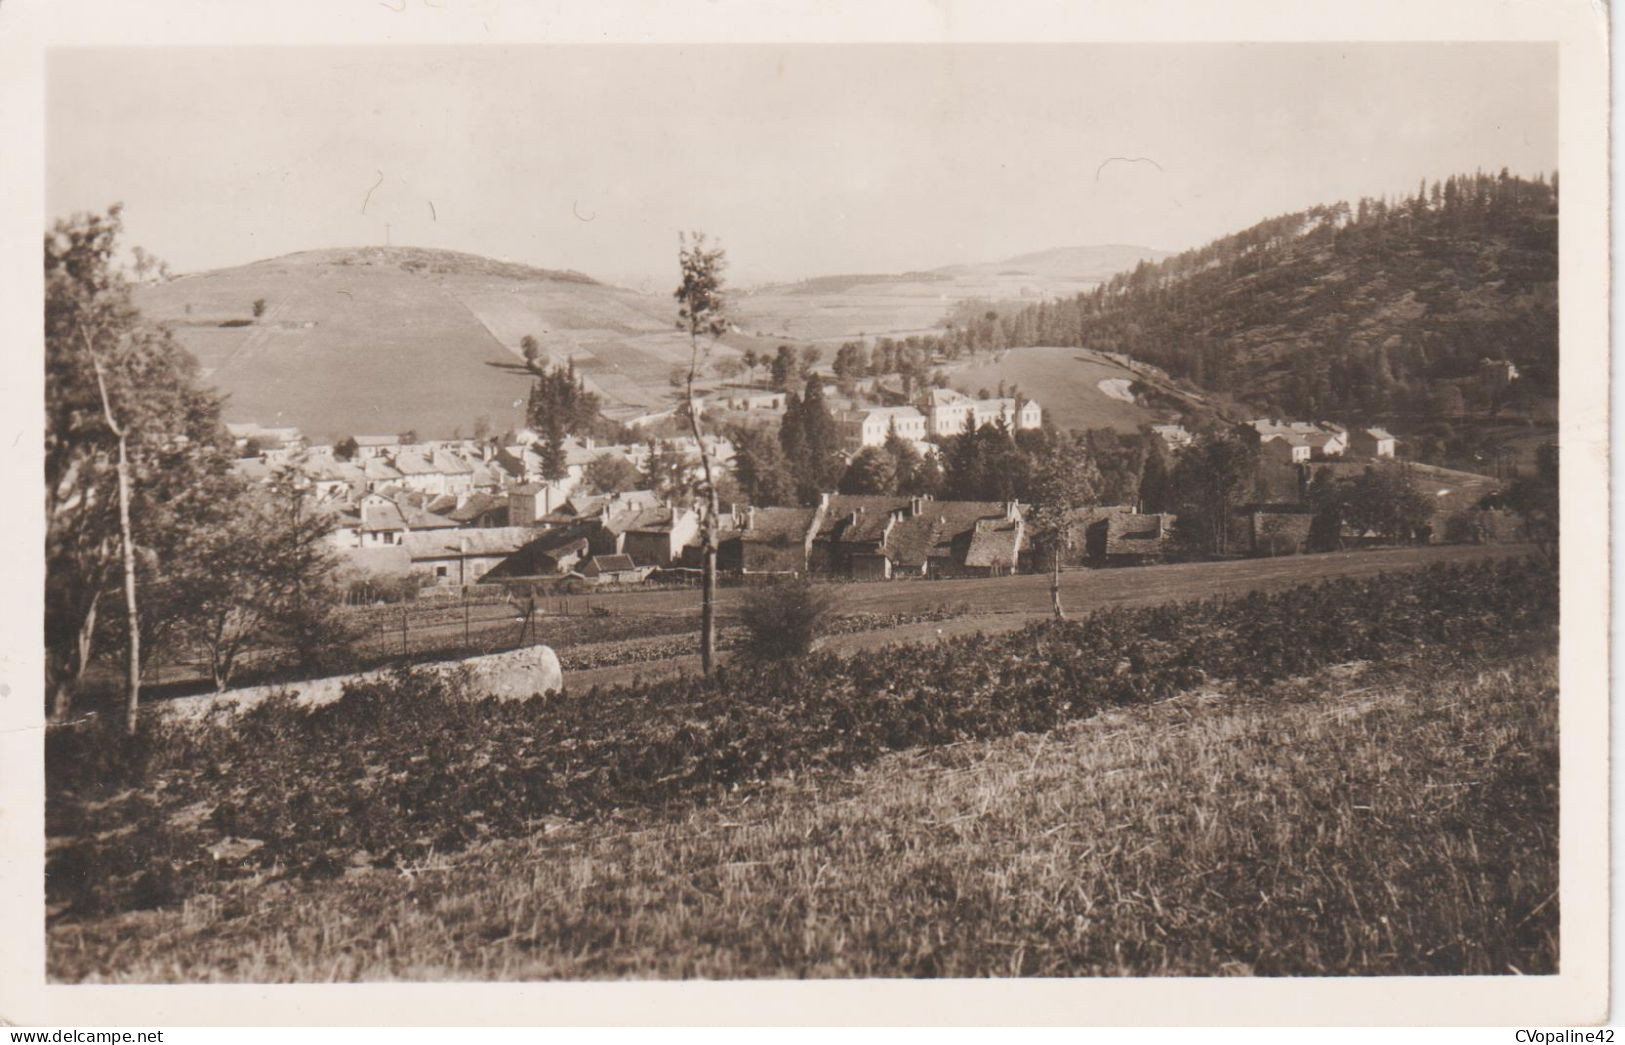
x=802 y=160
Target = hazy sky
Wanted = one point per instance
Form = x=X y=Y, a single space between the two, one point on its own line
x=802 y=159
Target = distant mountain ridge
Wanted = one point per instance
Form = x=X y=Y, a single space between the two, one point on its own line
x=1084 y=264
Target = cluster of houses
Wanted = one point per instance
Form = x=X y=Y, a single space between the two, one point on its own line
x=1295 y=442
x=461 y=512
x=628 y=537
x=456 y=509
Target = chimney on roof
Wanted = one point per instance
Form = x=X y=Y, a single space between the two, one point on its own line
x=750 y=517
x=916 y=505
x=823 y=500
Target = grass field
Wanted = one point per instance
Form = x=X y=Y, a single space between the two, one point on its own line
x=1361 y=821
x=373 y=342
x=1066 y=382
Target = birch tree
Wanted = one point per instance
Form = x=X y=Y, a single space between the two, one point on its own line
x=702 y=314
x=133 y=451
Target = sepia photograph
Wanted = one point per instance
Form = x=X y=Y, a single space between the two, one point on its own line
x=763 y=511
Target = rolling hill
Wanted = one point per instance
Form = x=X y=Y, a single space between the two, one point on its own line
x=838 y=307
x=383 y=339
x=1385 y=308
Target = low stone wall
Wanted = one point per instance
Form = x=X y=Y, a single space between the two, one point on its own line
x=515 y=675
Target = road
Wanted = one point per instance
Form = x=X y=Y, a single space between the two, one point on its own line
x=1007 y=603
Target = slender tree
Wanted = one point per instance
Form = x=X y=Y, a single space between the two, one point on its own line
x=1064 y=479
x=132 y=685
x=702 y=314
x=133 y=447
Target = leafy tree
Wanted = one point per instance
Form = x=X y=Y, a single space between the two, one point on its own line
x=611 y=473
x=668 y=471
x=702 y=312
x=559 y=406
x=1156 y=492
x=532 y=351
x=872 y=471
x=1383 y=500
x=347 y=448
x=759 y=464
x=1536 y=499
x=913 y=473
x=1064 y=479
x=134 y=450
x=784 y=368
x=1214 y=477
x=984 y=464
x=821 y=466
x=262 y=577
x=751 y=362
x=259 y=307
x=784 y=620
x=408 y=437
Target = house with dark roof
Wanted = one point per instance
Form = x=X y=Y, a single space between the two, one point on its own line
x=1371 y=442
x=464 y=556
x=614 y=569
x=880 y=537
x=481 y=510
x=1272 y=529
x=382 y=519
x=762 y=540
x=652 y=536
x=1134 y=538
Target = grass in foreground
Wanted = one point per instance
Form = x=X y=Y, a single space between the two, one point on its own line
x=1384 y=821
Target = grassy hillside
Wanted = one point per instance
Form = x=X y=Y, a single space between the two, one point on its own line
x=1380 y=309
x=1078 y=388
x=385 y=339
x=1393 y=821
x=400 y=772
x=845 y=306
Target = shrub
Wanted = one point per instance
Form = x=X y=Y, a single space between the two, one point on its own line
x=784 y=620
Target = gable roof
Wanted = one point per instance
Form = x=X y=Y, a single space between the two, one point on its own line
x=609 y=564
x=910 y=540
x=376 y=469
x=1132 y=534
x=994 y=543
x=477 y=505
x=498 y=540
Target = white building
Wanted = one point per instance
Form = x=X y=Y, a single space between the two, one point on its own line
x=953 y=412
x=870 y=427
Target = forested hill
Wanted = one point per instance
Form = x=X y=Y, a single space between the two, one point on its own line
x=1385 y=307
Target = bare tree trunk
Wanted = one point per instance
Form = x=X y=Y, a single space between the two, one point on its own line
x=132 y=692
x=708 y=533
x=63 y=686
x=1055 y=584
